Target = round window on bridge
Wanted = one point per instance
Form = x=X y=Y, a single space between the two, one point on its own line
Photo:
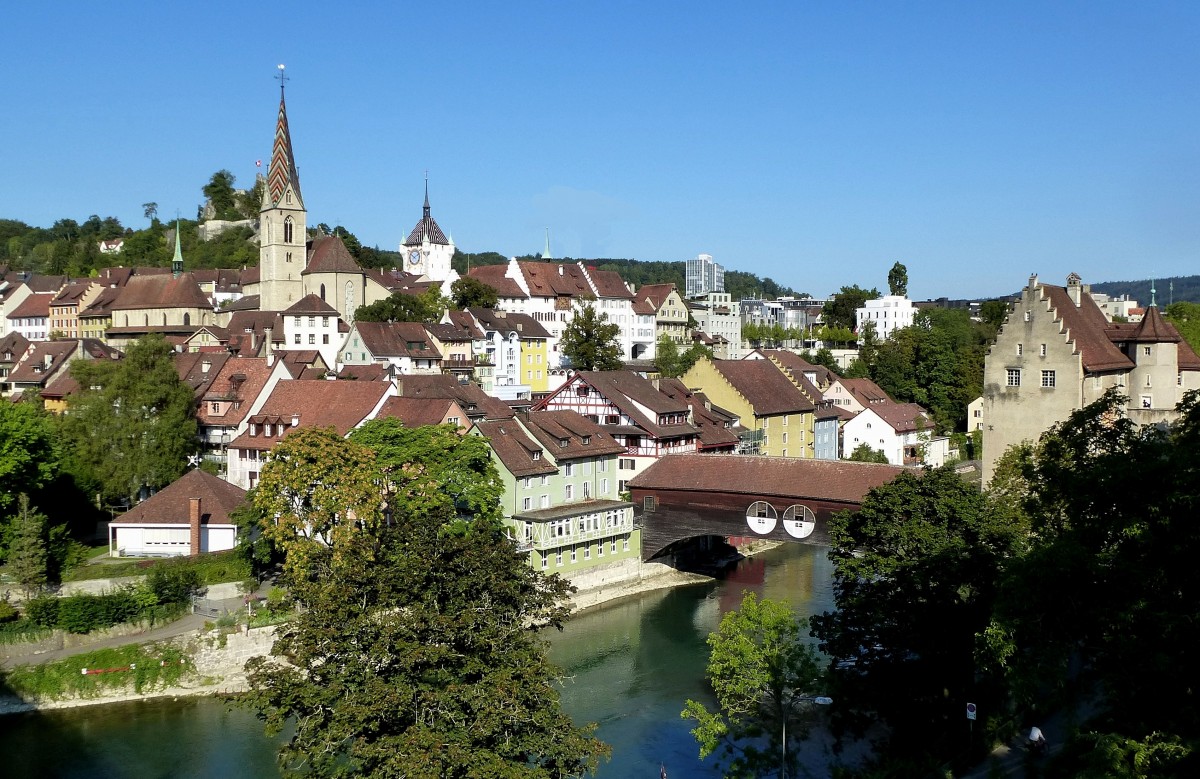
x=799 y=521
x=761 y=517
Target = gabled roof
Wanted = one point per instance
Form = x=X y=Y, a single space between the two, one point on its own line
x=552 y=428
x=464 y=321
x=473 y=400
x=798 y=366
x=866 y=391
x=653 y=296
x=238 y=379
x=161 y=291
x=505 y=323
x=1153 y=329
x=609 y=284
x=397 y=339
x=311 y=304
x=555 y=279
x=375 y=371
x=71 y=293
x=635 y=396
x=39 y=283
x=199 y=369
x=330 y=255
x=515 y=449
x=14 y=343
x=244 y=303
x=1086 y=325
x=36 y=305
x=785 y=477
x=716 y=427
x=417 y=412
x=493 y=276
x=902 y=417
x=342 y=405
x=450 y=333
x=763 y=384
x=43 y=360
x=170 y=505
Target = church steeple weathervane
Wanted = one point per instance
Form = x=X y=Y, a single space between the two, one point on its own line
x=282 y=171
x=177 y=260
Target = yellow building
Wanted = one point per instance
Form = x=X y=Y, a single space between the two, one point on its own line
x=777 y=414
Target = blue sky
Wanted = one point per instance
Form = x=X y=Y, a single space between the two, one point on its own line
x=813 y=143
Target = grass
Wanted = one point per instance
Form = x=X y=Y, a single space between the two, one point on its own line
x=156 y=667
x=214 y=568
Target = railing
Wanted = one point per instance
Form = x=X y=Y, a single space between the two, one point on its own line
x=575 y=536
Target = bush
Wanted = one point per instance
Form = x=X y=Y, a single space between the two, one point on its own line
x=43 y=612
x=7 y=612
x=173 y=583
x=85 y=613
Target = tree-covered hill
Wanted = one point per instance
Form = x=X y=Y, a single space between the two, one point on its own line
x=1173 y=289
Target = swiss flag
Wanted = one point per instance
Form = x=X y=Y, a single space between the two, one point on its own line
x=258 y=164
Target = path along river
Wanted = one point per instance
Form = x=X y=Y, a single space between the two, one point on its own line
x=631 y=665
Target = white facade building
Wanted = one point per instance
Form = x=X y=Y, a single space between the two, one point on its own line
x=888 y=313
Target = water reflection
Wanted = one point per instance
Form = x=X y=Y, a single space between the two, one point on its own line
x=631 y=665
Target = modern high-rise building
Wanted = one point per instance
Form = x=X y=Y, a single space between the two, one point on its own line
x=703 y=276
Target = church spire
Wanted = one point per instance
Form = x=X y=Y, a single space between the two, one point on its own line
x=177 y=260
x=426 y=194
x=282 y=171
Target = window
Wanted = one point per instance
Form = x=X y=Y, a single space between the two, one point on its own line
x=558 y=557
x=325 y=339
x=648 y=503
x=1028 y=315
x=766 y=423
x=587 y=552
x=324 y=321
x=785 y=439
x=536 y=455
x=785 y=419
x=312 y=338
x=604 y=486
x=600 y=549
x=1043 y=350
x=1014 y=377
x=569 y=469
x=569 y=492
x=602 y=465
x=581 y=391
x=526 y=482
x=1047 y=378
x=1020 y=349
x=613 y=546
x=574 y=554
x=625 y=464
x=214 y=408
x=527 y=503
x=1146 y=350
x=587 y=439
x=545 y=560
x=545 y=502
x=626 y=543
x=296 y=339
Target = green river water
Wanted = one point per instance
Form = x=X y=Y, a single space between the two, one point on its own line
x=630 y=667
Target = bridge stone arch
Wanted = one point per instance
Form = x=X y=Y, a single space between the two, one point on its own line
x=780 y=499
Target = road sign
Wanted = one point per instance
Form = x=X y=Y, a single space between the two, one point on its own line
x=971 y=711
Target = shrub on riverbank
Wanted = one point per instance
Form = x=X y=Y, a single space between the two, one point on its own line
x=143 y=668
x=85 y=613
x=212 y=568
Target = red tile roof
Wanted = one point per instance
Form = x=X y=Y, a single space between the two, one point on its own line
x=1085 y=326
x=34 y=306
x=417 y=412
x=493 y=276
x=311 y=304
x=473 y=400
x=515 y=449
x=341 y=405
x=397 y=339
x=763 y=384
x=161 y=291
x=330 y=255
x=170 y=505
x=552 y=428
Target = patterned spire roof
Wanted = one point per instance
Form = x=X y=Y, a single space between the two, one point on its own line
x=282 y=170
x=426 y=229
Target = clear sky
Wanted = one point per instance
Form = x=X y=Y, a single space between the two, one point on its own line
x=813 y=143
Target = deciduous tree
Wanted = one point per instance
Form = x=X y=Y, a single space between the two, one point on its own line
x=840 y=310
x=27 y=556
x=132 y=422
x=468 y=291
x=414 y=654
x=765 y=676
x=898 y=280
x=590 y=342
x=426 y=307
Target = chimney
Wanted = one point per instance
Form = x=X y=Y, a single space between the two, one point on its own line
x=560 y=269
x=268 y=341
x=204 y=366
x=295 y=420
x=270 y=358
x=194 y=525
x=1074 y=289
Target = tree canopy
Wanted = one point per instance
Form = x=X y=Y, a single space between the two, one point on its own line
x=426 y=307
x=468 y=291
x=765 y=677
x=898 y=280
x=841 y=309
x=590 y=342
x=132 y=422
x=415 y=653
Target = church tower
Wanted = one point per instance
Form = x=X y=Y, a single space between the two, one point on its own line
x=427 y=251
x=282 y=222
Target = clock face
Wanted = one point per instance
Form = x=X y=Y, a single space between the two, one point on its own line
x=414 y=256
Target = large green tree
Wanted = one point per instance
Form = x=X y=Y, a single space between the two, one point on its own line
x=841 y=309
x=28 y=558
x=765 y=677
x=898 y=280
x=415 y=652
x=132 y=422
x=1105 y=601
x=468 y=291
x=29 y=452
x=221 y=196
x=916 y=571
x=591 y=342
x=426 y=307
x=1186 y=318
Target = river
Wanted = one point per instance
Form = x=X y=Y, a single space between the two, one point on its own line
x=630 y=667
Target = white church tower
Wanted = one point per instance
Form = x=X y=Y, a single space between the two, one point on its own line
x=283 y=222
x=427 y=251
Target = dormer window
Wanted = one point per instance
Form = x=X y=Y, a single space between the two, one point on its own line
x=253 y=430
x=537 y=455
x=587 y=439
x=269 y=428
x=562 y=443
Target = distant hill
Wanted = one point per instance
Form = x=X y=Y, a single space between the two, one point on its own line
x=1174 y=289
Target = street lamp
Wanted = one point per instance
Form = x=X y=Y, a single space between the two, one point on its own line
x=820 y=700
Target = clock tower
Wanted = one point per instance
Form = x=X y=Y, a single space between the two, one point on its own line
x=427 y=252
x=282 y=222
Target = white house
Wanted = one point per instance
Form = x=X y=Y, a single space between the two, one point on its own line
x=189 y=516
x=902 y=431
x=888 y=313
